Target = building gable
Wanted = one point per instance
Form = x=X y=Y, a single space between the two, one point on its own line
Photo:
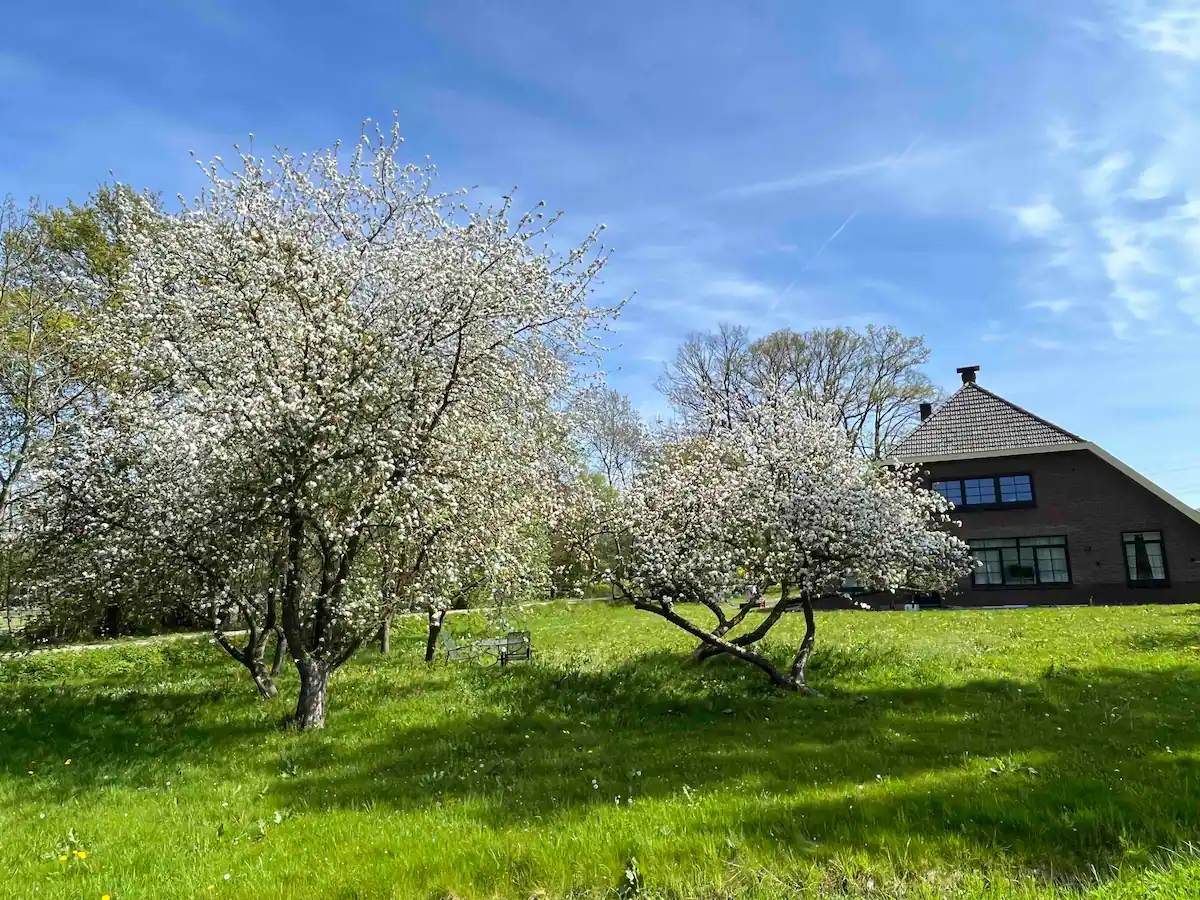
x=974 y=423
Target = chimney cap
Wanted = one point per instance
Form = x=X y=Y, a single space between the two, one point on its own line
x=968 y=373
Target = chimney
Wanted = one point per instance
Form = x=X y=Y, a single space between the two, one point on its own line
x=968 y=374
x=926 y=411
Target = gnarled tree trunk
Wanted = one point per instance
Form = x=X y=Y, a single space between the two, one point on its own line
x=792 y=680
x=280 y=652
x=262 y=678
x=253 y=657
x=799 y=671
x=708 y=650
x=314 y=689
x=778 y=678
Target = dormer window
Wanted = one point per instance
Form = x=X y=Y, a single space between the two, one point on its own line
x=990 y=492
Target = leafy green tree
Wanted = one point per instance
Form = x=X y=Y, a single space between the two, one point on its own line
x=871 y=378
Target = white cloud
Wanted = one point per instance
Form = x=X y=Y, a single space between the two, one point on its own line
x=1041 y=343
x=1056 y=305
x=1154 y=183
x=1039 y=218
x=1174 y=31
x=1097 y=181
x=1115 y=194
x=1061 y=135
x=739 y=288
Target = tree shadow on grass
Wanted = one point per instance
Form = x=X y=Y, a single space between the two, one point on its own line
x=120 y=714
x=1160 y=641
x=1067 y=771
x=115 y=737
x=1061 y=772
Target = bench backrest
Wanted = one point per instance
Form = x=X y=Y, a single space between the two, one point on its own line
x=452 y=651
x=517 y=645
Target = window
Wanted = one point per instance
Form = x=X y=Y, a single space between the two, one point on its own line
x=951 y=490
x=1015 y=489
x=1021 y=562
x=993 y=491
x=979 y=491
x=1145 y=561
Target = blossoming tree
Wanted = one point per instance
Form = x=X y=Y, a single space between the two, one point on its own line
x=779 y=497
x=319 y=362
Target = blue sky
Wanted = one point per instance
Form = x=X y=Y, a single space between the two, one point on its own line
x=1018 y=181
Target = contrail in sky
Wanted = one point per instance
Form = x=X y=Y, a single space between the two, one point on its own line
x=837 y=231
x=829 y=240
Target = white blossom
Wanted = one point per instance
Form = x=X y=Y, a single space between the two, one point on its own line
x=333 y=392
x=779 y=497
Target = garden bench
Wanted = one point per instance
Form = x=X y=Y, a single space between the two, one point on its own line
x=518 y=646
x=455 y=653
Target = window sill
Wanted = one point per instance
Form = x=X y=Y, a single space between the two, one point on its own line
x=983 y=507
x=1050 y=585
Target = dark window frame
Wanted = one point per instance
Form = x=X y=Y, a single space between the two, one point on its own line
x=995 y=479
x=1132 y=582
x=1037 y=585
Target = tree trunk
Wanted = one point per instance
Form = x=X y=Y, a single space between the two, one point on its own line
x=385 y=636
x=436 y=618
x=755 y=659
x=262 y=678
x=753 y=636
x=280 y=650
x=751 y=600
x=8 y=616
x=314 y=687
x=800 y=663
x=253 y=657
x=112 y=620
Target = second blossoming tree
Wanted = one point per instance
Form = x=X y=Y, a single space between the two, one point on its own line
x=778 y=498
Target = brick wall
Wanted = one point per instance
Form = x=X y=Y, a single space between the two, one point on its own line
x=1080 y=496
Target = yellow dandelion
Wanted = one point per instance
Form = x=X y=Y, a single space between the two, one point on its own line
x=67 y=763
x=82 y=854
x=106 y=897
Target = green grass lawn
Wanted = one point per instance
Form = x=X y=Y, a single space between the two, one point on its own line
x=998 y=754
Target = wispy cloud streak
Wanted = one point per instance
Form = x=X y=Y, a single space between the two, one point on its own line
x=819 y=177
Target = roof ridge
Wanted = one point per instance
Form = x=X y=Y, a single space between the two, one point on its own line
x=1018 y=408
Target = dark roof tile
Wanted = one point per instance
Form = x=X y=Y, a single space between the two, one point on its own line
x=974 y=420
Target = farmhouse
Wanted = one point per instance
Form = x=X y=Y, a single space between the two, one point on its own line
x=1051 y=518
